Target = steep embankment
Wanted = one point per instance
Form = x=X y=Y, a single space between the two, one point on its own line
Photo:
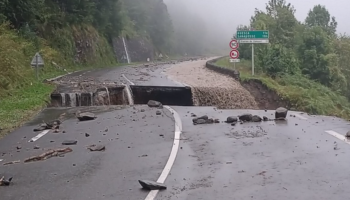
x=210 y=88
x=293 y=91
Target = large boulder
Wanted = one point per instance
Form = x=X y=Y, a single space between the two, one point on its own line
x=281 y=113
x=246 y=117
x=231 y=119
x=256 y=118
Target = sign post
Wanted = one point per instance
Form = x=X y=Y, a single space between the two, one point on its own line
x=253 y=37
x=37 y=62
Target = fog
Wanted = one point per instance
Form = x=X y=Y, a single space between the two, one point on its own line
x=220 y=18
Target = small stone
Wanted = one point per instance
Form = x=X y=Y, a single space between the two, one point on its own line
x=97 y=147
x=347 y=134
x=36 y=147
x=87 y=135
x=152 y=185
x=18 y=147
x=69 y=142
x=234 y=124
x=86 y=116
x=154 y=104
x=231 y=119
x=193 y=115
x=158 y=112
x=142 y=110
x=204 y=117
x=265 y=119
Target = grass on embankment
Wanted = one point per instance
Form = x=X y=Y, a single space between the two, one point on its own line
x=304 y=94
x=21 y=94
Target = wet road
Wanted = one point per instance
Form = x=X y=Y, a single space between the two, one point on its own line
x=305 y=157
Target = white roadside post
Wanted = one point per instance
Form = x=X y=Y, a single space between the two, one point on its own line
x=253 y=37
x=37 y=62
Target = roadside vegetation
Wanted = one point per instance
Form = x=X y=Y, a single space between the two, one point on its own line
x=306 y=63
x=70 y=35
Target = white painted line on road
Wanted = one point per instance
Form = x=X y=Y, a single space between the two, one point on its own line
x=178 y=129
x=338 y=135
x=301 y=117
x=39 y=136
x=131 y=83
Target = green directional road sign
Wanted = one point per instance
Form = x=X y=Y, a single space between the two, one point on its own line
x=261 y=36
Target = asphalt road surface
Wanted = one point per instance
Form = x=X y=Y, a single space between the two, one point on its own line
x=305 y=157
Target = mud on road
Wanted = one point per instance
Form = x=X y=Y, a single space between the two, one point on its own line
x=210 y=88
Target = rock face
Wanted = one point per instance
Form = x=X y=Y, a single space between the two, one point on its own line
x=231 y=119
x=281 y=113
x=154 y=104
x=151 y=185
x=246 y=117
x=86 y=116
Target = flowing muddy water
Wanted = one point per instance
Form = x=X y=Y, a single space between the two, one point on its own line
x=210 y=88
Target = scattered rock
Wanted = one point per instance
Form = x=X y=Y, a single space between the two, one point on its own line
x=18 y=147
x=193 y=115
x=86 y=116
x=151 y=185
x=347 y=135
x=158 y=112
x=256 y=118
x=69 y=142
x=4 y=182
x=36 y=147
x=265 y=119
x=231 y=119
x=246 y=117
x=87 y=135
x=96 y=147
x=49 y=154
x=154 y=104
x=204 y=117
x=281 y=113
x=142 y=110
x=234 y=124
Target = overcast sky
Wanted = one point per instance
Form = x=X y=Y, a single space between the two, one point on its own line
x=230 y=13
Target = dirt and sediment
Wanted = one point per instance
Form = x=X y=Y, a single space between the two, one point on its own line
x=210 y=88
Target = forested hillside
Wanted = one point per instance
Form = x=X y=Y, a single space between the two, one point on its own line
x=73 y=32
x=309 y=57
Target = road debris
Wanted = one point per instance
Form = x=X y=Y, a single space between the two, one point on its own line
x=231 y=119
x=281 y=113
x=95 y=147
x=158 y=112
x=154 y=104
x=204 y=120
x=4 y=182
x=152 y=185
x=54 y=125
x=49 y=154
x=85 y=116
x=69 y=142
x=12 y=162
x=246 y=117
x=256 y=118
x=347 y=135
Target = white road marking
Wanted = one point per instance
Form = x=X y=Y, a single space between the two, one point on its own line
x=39 y=136
x=339 y=136
x=178 y=129
x=131 y=83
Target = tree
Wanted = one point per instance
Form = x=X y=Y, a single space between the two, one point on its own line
x=319 y=16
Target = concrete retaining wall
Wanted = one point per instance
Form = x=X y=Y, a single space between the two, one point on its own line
x=212 y=66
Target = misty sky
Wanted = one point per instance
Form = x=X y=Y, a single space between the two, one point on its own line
x=230 y=13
